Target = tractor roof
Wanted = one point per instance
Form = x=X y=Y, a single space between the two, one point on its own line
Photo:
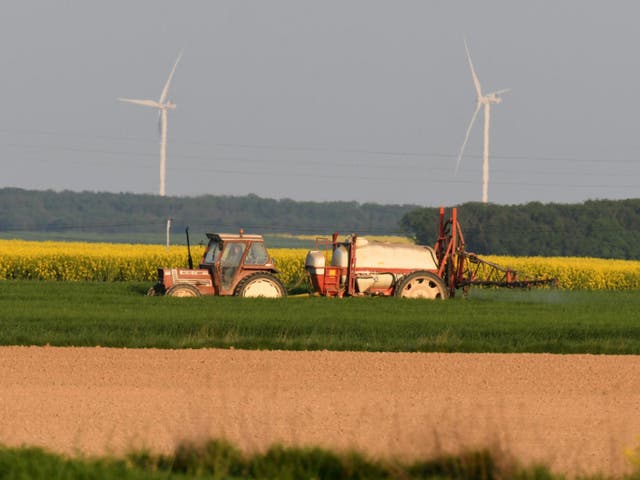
x=234 y=236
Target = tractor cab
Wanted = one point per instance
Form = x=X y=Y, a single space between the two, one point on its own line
x=232 y=264
x=231 y=257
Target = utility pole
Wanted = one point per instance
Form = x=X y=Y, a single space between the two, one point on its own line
x=168 y=231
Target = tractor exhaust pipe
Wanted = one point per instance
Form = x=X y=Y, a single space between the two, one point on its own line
x=189 y=259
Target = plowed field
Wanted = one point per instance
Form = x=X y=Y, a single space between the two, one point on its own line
x=576 y=413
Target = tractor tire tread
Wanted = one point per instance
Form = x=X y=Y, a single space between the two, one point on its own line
x=242 y=284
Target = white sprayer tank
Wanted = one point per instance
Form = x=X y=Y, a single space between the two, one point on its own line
x=378 y=259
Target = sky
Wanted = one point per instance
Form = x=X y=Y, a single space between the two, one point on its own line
x=356 y=100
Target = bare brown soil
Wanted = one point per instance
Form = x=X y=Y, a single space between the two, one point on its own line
x=576 y=413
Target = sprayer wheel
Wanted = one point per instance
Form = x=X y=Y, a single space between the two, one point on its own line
x=421 y=285
x=183 y=290
x=260 y=285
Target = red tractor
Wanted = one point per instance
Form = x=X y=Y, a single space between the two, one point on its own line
x=231 y=265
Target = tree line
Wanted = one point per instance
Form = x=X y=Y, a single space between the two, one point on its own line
x=52 y=212
x=595 y=228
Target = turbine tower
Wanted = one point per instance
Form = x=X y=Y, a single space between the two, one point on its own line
x=162 y=105
x=486 y=101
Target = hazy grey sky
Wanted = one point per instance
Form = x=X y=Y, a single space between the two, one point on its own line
x=328 y=100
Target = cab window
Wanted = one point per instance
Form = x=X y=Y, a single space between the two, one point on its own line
x=213 y=252
x=232 y=254
x=257 y=255
x=230 y=262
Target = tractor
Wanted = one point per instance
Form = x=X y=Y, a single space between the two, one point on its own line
x=232 y=265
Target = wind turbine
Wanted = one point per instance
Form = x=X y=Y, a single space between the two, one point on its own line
x=486 y=101
x=162 y=105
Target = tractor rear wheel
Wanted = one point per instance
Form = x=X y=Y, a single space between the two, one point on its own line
x=260 y=285
x=183 y=290
x=421 y=285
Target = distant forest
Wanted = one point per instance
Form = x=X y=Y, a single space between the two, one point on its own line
x=596 y=228
x=131 y=217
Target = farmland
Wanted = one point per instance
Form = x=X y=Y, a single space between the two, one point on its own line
x=75 y=261
x=594 y=311
x=118 y=314
x=341 y=389
x=575 y=413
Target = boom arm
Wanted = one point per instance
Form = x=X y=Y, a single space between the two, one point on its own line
x=462 y=269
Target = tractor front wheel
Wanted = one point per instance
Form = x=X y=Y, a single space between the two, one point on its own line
x=260 y=285
x=183 y=290
x=157 y=289
x=421 y=285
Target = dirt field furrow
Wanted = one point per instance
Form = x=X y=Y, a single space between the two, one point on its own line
x=577 y=413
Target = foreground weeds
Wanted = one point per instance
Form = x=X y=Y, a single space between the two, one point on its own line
x=221 y=460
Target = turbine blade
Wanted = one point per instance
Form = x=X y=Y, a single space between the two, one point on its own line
x=499 y=92
x=146 y=103
x=466 y=137
x=165 y=90
x=476 y=82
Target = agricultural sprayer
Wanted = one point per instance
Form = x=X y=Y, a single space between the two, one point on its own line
x=358 y=267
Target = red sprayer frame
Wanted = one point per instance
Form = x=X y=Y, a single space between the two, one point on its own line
x=456 y=267
x=462 y=269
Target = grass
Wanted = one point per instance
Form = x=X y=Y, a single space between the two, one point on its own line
x=120 y=315
x=221 y=460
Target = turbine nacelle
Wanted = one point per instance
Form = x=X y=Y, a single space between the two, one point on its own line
x=490 y=98
x=494 y=97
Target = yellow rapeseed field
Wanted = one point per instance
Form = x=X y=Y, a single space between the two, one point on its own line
x=577 y=273
x=76 y=261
